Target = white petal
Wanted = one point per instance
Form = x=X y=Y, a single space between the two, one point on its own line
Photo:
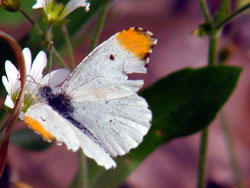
x=6 y=84
x=27 y=59
x=8 y=102
x=12 y=75
x=38 y=65
x=74 y=4
x=56 y=77
x=41 y=4
x=21 y=116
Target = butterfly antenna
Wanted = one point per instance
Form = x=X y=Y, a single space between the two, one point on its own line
x=50 y=58
x=32 y=80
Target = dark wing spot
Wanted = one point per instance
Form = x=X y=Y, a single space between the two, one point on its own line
x=112 y=57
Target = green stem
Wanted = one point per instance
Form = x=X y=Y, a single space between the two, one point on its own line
x=204 y=137
x=232 y=154
x=44 y=38
x=205 y=10
x=231 y=16
x=59 y=58
x=39 y=31
x=99 y=25
x=202 y=159
x=84 y=160
x=212 y=50
x=69 y=46
x=213 y=40
x=55 y=52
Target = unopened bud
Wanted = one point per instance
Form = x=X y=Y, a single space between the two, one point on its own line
x=10 y=5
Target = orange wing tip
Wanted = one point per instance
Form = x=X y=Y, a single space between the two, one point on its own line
x=38 y=128
x=138 y=41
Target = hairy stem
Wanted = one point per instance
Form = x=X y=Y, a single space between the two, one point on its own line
x=231 y=16
x=99 y=25
x=232 y=154
x=202 y=158
x=205 y=11
x=69 y=46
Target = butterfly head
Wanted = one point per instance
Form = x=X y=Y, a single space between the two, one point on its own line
x=46 y=92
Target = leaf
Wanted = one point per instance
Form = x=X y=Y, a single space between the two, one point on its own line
x=28 y=140
x=182 y=104
x=78 y=180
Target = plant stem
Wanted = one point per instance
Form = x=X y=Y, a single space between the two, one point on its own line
x=213 y=40
x=99 y=25
x=17 y=50
x=202 y=159
x=69 y=46
x=42 y=35
x=231 y=16
x=48 y=39
x=232 y=154
x=205 y=11
x=39 y=31
x=83 y=161
x=59 y=58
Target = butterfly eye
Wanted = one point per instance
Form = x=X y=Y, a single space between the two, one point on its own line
x=47 y=89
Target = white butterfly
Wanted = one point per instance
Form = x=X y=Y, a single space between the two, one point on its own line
x=97 y=108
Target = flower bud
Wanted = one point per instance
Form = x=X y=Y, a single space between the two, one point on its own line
x=10 y=5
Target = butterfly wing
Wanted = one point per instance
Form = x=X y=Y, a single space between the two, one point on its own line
x=103 y=73
x=105 y=101
x=119 y=124
x=44 y=120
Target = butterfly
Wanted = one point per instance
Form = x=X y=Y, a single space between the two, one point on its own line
x=97 y=108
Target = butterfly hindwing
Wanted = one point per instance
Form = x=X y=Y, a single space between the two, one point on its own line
x=60 y=129
x=119 y=124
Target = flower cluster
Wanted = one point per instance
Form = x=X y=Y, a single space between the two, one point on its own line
x=35 y=79
x=55 y=13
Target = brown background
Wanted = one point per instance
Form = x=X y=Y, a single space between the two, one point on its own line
x=173 y=165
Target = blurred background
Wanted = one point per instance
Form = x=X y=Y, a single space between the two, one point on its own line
x=173 y=165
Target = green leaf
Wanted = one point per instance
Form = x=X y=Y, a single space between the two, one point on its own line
x=78 y=180
x=182 y=104
x=28 y=140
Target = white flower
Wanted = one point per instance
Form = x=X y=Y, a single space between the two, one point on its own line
x=34 y=78
x=56 y=12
